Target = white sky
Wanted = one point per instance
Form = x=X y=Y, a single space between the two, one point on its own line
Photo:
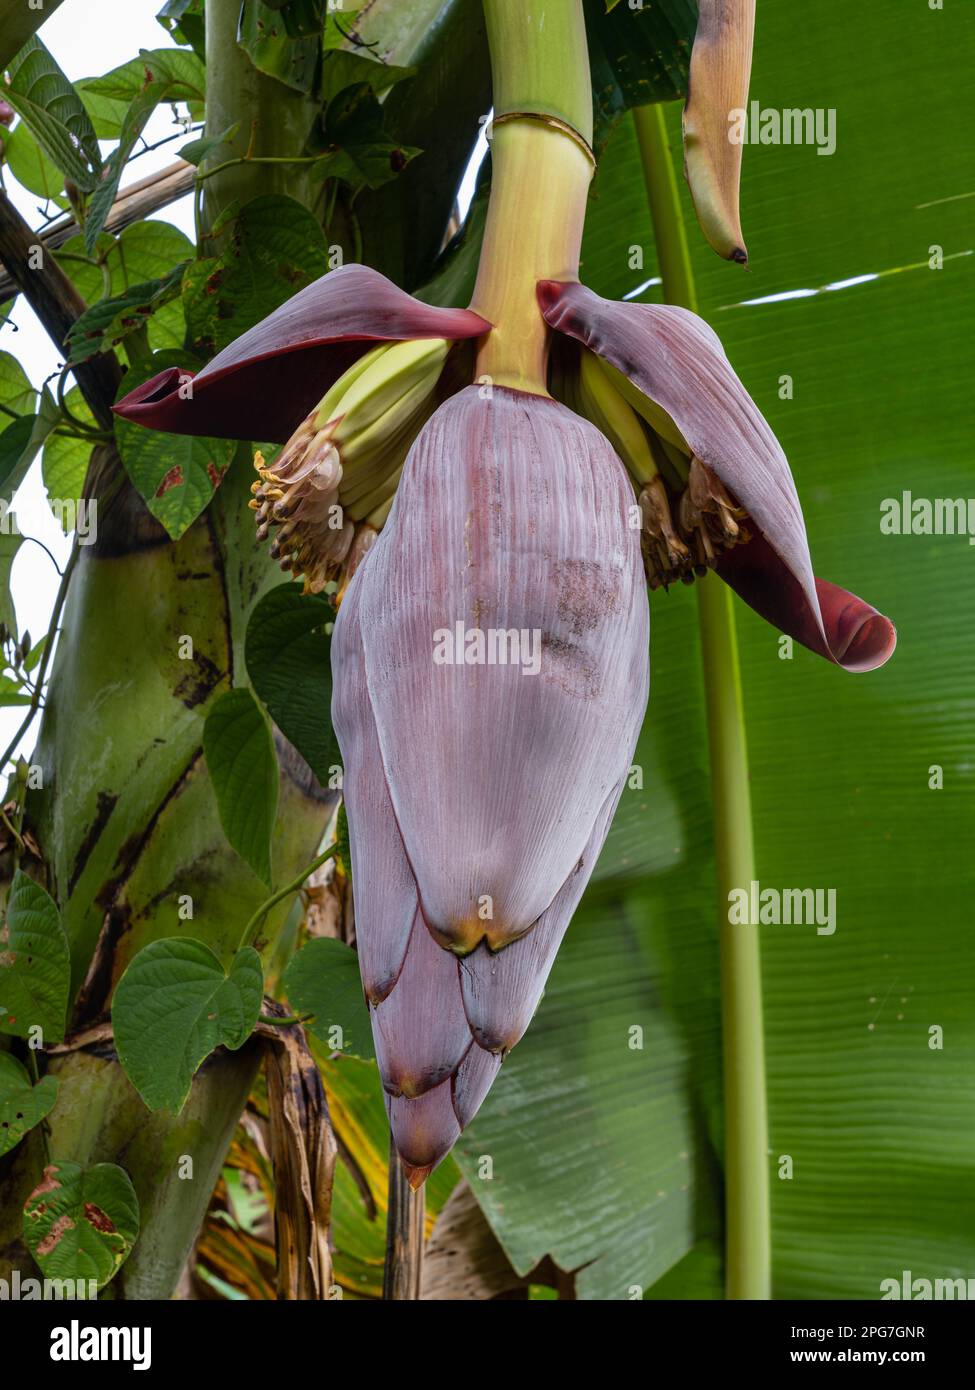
x=87 y=38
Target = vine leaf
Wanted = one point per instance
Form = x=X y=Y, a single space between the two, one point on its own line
x=31 y=167
x=357 y=147
x=157 y=75
x=51 y=109
x=65 y=465
x=81 y=1223
x=323 y=979
x=275 y=248
x=16 y=392
x=243 y=766
x=106 y=323
x=10 y=543
x=173 y=1006
x=288 y=656
x=184 y=20
x=206 y=145
x=21 y=441
x=22 y=1104
x=293 y=58
x=175 y=474
x=35 y=963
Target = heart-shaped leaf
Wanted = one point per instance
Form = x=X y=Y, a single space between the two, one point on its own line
x=81 y=1223
x=323 y=980
x=275 y=247
x=173 y=1006
x=243 y=766
x=20 y=442
x=288 y=657
x=175 y=474
x=22 y=1104
x=35 y=963
x=106 y=323
x=51 y=109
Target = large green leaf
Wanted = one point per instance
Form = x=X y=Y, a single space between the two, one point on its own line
x=184 y=19
x=322 y=980
x=35 y=964
x=358 y=148
x=244 y=769
x=50 y=107
x=110 y=321
x=879 y=1126
x=31 y=167
x=110 y=98
x=276 y=247
x=288 y=655
x=156 y=76
x=145 y=251
x=637 y=54
x=173 y=1006
x=264 y=36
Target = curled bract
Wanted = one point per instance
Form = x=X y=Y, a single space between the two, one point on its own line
x=674 y=360
x=269 y=379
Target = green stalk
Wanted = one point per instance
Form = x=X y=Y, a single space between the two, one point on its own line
x=540 y=163
x=273 y=120
x=746 y=1122
x=539 y=60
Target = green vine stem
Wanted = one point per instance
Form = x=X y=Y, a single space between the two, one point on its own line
x=251 y=930
x=746 y=1121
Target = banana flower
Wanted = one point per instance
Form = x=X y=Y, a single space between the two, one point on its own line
x=488 y=490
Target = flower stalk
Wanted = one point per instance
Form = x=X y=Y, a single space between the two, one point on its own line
x=542 y=165
x=746 y=1120
x=539 y=185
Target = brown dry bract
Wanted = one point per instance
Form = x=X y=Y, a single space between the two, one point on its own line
x=303 y=1152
